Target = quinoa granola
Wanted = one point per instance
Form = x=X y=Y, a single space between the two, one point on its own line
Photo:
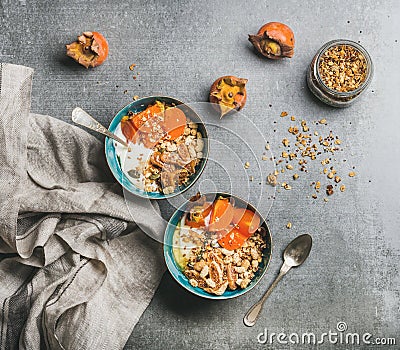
x=175 y=142
x=216 y=269
x=174 y=161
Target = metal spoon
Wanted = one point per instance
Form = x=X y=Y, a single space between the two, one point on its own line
x=79 y=116
x=294 y=255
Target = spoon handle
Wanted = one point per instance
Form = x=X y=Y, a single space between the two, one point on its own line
x=79 y=116
x=254 y=312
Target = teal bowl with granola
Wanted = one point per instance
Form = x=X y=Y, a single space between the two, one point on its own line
x=217 y=246
x=168 y=147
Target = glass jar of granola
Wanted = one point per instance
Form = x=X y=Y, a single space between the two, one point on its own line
x=340 y=72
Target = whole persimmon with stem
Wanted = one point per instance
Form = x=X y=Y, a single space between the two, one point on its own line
x=90 y=50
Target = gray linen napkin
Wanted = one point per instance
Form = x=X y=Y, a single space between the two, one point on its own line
x=76 y=271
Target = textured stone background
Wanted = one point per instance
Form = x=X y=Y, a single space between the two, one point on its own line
x=180 y=48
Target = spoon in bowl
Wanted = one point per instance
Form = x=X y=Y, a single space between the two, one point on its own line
x=79 y=116
x=294 y=255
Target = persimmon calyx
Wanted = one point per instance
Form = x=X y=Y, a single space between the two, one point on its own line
x=229 y=93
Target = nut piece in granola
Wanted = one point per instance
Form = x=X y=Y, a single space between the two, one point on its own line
x=343 y=68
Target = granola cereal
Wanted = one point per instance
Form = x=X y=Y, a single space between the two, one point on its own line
x=219 y=260
x=343 y=68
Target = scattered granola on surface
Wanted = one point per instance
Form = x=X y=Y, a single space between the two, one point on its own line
x=304 y=145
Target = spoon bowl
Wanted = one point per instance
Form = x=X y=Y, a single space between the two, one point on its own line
x=297 y=250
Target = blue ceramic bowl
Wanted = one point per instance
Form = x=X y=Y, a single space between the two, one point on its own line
x=177 y=272
x=114 y=163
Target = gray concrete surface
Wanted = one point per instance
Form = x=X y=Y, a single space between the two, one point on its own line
x=180 y=48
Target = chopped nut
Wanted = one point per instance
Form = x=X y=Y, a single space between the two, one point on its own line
x=284 y=114
x=314 y=196
x=329 y=190
x=172 y=147
x=198 y=266
x=240 y=269
x=338 y=142
x=226 y=251
x=285 y=154
x=289 y=166
x=322 y=121
x=135 y=98
x=245 y=282
x=264 y=158
x=267 y=146
x=352 y=174
x=337 y=179
x=342 y=188
x=289 y=225
x=287 y=187
x=295 y=176
x=246 y=165
x=245 y=264
x=272 y=180
x=317 y=185
x=193 y=282
x=204 y=271
x=330 y=175
x=292 y=118
x=285 y=142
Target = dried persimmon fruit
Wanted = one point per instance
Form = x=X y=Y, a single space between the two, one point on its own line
x=229 y=93
x=90 y=50
x=274 y=40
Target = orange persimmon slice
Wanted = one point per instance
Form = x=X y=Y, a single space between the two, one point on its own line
x=246 y=221
x=234 y=239
x=221 y=215
x=128 y=129
x=174 y=122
